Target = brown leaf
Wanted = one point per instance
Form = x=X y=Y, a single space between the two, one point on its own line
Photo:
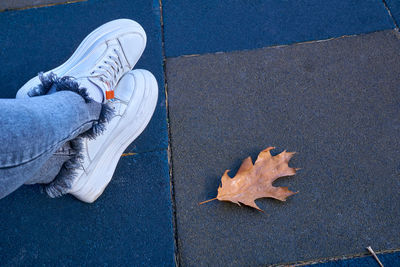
x=255 y=181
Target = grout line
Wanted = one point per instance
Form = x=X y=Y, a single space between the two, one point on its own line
x=390 y=14
x=336 y=258
x=170 y=163
x=44 y=5
x=282 y=45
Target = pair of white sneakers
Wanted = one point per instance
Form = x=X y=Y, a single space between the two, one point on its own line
x=103 y=64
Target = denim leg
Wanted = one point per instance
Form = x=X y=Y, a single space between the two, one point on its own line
x=52 y=167
x=32 y=129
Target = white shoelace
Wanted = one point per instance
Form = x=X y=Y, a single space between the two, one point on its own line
x=110 y=71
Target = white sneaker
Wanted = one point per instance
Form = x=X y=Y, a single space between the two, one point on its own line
x=102 y=58
x=134 y=104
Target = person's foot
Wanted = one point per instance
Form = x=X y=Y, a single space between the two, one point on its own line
x=102 y=58
x=134 y=104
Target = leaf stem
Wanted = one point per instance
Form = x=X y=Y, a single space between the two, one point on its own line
x=207 y=200
x=375 y=256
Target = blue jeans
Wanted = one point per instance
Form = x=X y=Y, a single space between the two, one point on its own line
x=37 y=134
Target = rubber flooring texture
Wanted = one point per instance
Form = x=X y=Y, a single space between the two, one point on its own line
x=335 y=103
x=131 y=223
x=387 y=259
x=206 y=26
x=394 y=7
x=22 y=4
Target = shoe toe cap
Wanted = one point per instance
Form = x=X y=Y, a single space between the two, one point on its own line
x=133 y=44
x=125 y=87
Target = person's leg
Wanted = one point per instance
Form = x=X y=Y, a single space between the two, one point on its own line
x=100 y=64
x=32 y=129
x=52 y=167
x=103 y=57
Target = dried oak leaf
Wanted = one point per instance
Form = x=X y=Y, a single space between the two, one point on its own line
x=255 y=181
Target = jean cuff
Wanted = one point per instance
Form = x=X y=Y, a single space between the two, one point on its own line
x=66 y=176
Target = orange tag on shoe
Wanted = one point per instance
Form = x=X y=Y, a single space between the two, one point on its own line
x=109 y=94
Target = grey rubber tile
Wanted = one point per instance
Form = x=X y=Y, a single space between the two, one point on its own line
x=335 y=102
x=129 y=225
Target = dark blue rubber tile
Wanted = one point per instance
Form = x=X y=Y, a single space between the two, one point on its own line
x=129 y=225
x=16 y=4
x=394 y=6
x=203 y=26
x=387 y=259
x=335 y=102
x=40 y=39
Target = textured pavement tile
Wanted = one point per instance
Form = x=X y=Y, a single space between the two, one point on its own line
x=201 y=26
x=129 y=225
x=394 y=6
x=40 y=39
x=335 y=102
x=13 y=4
x=387 y=259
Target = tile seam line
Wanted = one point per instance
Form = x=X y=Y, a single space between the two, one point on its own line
x=390 y=14
x=335 y=258
x=44 y=5
x=284 y=45
x=169 y=150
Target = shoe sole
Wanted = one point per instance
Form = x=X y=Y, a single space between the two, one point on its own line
x=102 y=168
x=111 y=28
